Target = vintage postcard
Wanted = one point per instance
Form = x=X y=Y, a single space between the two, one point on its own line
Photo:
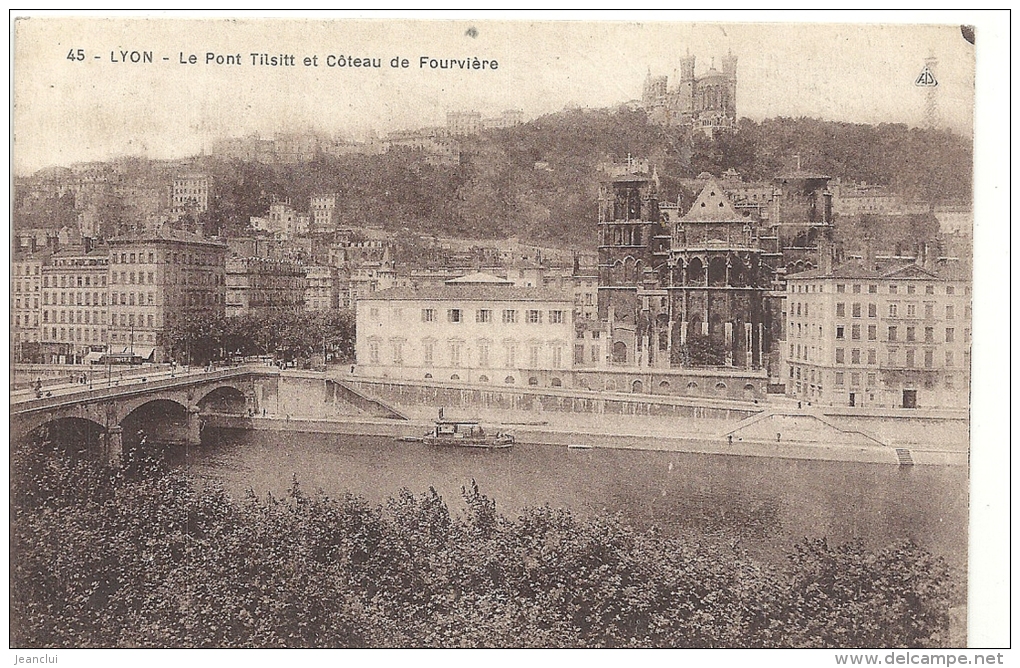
x=332 y=332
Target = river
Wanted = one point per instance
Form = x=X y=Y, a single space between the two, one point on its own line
x=766 y=504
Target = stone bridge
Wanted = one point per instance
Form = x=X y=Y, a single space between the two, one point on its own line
x=166 y=406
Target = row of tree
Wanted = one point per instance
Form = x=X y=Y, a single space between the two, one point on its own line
x=140 y=557
x=286 y=335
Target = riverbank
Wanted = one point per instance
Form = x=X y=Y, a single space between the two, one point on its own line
x=616 y=432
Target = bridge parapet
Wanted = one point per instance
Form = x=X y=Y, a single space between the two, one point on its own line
x=108 y=406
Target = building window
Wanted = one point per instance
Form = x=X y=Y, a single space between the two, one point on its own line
x=839 y=378
x=578 y=354
x=840 y=356
x=855 y=356
x=840 y=329
x=872 y=332
x=950 y=358
x=483 y=354
x=483 y=315
x=428 y=315
x=911 y=310
x=911 y=334
x=398 y=352
x=872 y=356
x=929 y=310
x=455 y=348
x=594 y=354
x=856 y=310
x=892 y=333
x=857 y=288
x=534 y=317
x=511 y=354
x=509 y=316
x=910 y=357
x=893 y=309
x=892 y=289
x=910 y=289
x=373 y=352
x=950 y=334
x=855 y=379
x=841 y=288
x=555 y=317
x=950 y=313
x=950 y=290
x=427 y=352
x=855 y=332
x=841 y=310
x=928 y=359
x=557 y=357
x=533 y=355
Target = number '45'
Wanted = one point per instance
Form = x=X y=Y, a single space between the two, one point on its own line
x=76 y=54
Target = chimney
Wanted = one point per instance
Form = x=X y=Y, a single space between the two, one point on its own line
x=869 y=253
x=825 y=257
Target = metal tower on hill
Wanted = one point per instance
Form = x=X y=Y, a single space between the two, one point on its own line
x=932 y=118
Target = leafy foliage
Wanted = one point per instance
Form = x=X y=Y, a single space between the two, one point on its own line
x=288 y=335
x=141 y=557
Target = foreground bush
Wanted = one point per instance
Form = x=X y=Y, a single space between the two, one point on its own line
x=140 y=557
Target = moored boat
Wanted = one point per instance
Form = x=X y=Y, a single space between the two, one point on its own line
x=466 y=433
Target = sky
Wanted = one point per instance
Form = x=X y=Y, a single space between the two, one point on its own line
x=69 y=110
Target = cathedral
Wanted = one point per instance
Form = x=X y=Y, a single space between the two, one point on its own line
x=707 y=103
x=681 y=290
x=703 y=285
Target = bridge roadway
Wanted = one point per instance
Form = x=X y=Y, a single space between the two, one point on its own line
x=108 y=403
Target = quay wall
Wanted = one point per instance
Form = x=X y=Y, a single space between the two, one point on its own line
x=538 y=400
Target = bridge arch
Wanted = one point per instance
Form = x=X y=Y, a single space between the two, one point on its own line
x=224 y=399
x=160 y=418
x=65 y=427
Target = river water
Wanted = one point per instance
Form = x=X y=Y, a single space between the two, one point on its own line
x=766 y=504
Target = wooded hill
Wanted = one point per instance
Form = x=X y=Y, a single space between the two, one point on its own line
x=498 y=190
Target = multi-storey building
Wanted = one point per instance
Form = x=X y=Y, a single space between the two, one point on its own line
x=477 y=329
x=323 y=214
x=507 y=119
x=26 y=284
x=190 y=194
x=463 y=122
x=285 y=222
x=898 y=336
x=321 y=288
x=75 y=311
x=158 y=279
x=263 y=286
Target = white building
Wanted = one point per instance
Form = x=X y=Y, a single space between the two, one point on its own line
x=475 y=329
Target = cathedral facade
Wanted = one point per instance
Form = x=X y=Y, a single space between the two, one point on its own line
x=682 y=289
x=707 y=103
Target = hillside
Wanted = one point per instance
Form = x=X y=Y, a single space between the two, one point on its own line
x=498 y=190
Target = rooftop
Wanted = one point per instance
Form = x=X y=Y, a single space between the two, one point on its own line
x=490 y=292
x=479 y=278
x=166 y=234
x=900 y=271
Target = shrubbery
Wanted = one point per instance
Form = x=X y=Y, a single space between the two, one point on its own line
x=142 y=557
